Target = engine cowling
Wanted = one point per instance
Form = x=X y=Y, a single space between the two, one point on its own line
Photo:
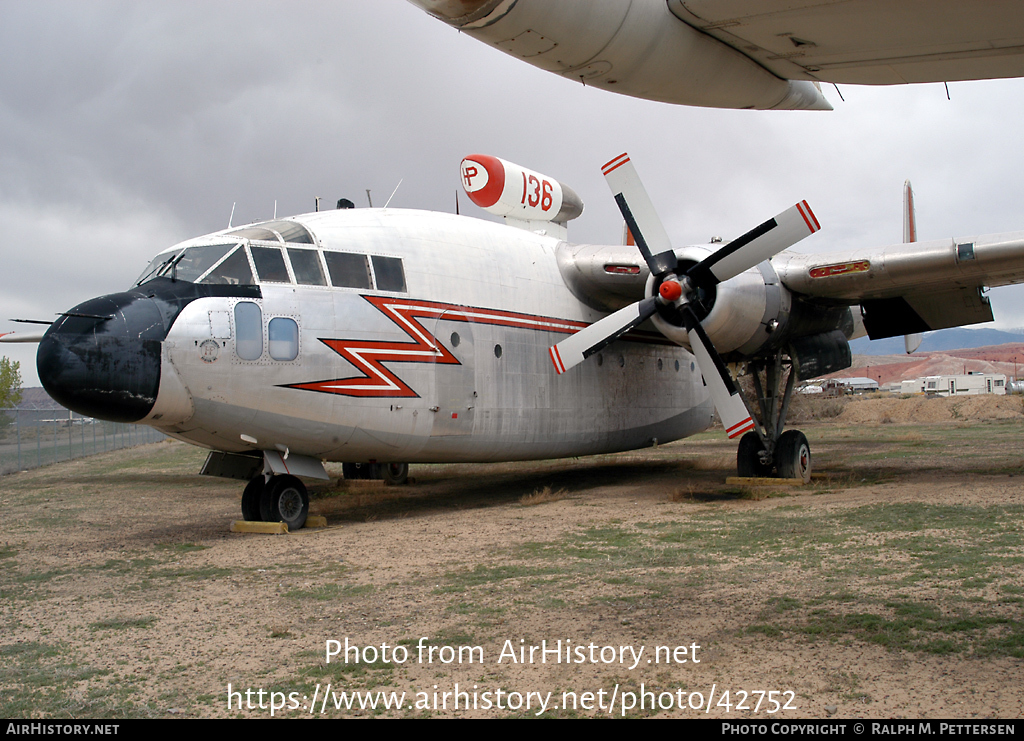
x=754 y=313
x=741 y=316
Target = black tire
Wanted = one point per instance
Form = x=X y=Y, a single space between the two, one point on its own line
x=748 y=458
x=393 y=474
x=251 y=497
x=286 y=500
x=793 y=456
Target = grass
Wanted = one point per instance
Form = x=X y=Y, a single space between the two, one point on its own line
x=912 y=577
x=543 y=496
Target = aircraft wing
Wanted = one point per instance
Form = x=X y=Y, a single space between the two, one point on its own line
x=910 y=288
x=748 y=53
x=868 y=42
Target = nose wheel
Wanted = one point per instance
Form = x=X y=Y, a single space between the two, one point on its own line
x=281 y=499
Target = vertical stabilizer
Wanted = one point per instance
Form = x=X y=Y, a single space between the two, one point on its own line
x=910 y=341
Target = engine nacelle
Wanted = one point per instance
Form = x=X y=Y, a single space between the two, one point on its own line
x=742 y=315
x=508 y=190
x=754 y=313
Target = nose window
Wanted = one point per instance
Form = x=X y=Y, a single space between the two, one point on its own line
x=248 y=330
x=283 y=334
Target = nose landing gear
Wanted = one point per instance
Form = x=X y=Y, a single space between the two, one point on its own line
x=279 y=499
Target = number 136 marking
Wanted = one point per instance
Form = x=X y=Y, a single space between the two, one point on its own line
x=536 y=191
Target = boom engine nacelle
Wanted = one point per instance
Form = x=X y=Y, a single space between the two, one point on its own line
x=754 y=313
x=506 y=189
x=740 y=315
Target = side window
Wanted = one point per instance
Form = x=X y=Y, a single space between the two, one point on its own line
x=389 y=273
x=248 y=330
x=306 y=266
x=270 y=264
x=283 y=336
x=348 y=270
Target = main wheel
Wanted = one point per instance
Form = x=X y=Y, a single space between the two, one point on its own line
x=393 y=474
x=793 y=456
x=286 y=500
x=251 y=497
x=748 y=457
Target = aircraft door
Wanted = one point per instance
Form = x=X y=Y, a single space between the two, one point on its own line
x=454 y=385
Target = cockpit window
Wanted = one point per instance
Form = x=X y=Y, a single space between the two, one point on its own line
x=306 y=266
x=270 y=264
x=273 y=231
x=255 y=232
x=156 y=265
x=291 y=232
x=195 y=261
x=233 y=270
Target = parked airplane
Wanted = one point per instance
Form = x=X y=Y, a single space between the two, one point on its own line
x=748 y=54
x=384 y=336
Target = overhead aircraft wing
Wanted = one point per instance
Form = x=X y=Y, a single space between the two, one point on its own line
x=868 y=42
x=748 y=53
x=910 y=288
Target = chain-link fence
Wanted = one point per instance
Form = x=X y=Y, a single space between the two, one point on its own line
x=36 y=437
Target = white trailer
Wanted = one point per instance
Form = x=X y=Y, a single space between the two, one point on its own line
x=972 y=383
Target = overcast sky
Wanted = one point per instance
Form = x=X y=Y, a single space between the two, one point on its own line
x=128 y=126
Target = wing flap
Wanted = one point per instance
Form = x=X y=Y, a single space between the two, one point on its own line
x=923 y=312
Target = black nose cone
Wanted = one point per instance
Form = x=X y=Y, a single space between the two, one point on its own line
x=102 y=358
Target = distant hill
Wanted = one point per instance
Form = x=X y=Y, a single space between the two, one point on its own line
x=939 y=341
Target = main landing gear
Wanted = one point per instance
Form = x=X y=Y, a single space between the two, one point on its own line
x=277 y=499
x=768 y=449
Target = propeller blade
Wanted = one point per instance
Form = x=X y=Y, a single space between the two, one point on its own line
x=576 y=348
x=756 y=246
x=22 y=336
x=640 y=215
x=724 y=393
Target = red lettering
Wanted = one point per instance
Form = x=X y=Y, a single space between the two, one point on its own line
x=534 y=198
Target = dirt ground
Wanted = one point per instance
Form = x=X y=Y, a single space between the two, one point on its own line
x=890 y=588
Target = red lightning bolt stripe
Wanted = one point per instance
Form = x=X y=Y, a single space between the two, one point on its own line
x=368 y=355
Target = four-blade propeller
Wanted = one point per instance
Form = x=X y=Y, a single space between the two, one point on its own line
x=757 y=245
